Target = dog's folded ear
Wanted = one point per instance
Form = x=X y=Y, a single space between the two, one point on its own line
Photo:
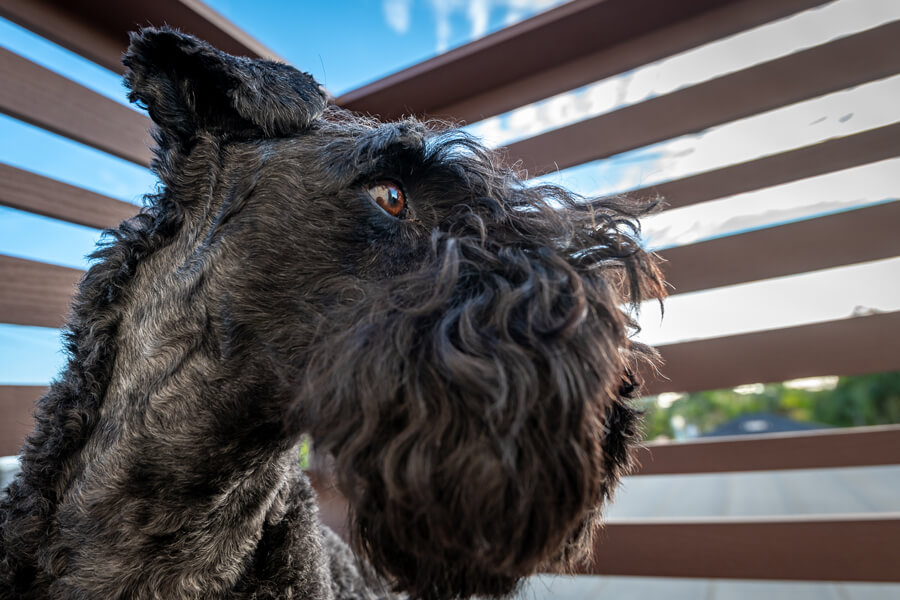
x=188 y=86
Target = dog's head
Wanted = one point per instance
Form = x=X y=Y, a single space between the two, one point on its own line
x=456 y=339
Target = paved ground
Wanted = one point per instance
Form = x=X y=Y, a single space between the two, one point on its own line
x=807 y=492
x=9 y=465
x=766 y=493
x=646 y=588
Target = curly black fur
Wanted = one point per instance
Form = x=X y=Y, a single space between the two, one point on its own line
x=467 y=364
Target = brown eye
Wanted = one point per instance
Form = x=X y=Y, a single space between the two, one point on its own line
x=388 y=196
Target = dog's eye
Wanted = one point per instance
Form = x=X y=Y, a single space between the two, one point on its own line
x=388 y=196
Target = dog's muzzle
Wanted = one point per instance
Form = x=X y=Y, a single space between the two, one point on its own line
x=465 y=404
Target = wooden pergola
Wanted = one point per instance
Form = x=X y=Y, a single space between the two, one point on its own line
x=522 y=64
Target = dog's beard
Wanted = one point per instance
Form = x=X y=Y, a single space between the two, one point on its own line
x=474 y=406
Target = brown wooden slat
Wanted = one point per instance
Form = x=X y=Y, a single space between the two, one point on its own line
x=44 y=196
x=66 y=28
x=39 y=96
x=840 y=548
x=35 y=293
x=820 y=449
x=16 y=421
x=837 y=65
x=854 y=346
x=788 y=249
x=332 y=503
x=818 y=159
x=98 y=29
x=561 y=49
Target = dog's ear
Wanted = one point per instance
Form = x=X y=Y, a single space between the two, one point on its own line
x=188 y=86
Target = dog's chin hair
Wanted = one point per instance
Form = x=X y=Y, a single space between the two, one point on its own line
x=418 y=562
x=477 y=407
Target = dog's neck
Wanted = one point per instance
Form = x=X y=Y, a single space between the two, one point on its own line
x=186 y=463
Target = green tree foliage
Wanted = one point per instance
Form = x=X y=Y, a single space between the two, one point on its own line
x=304 y=452
x=854 y=401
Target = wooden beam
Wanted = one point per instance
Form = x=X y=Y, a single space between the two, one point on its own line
x=34 y=193
x=561 y=49
x=839 y=548
x=36 y=95
x=818 y=449
x=333 y=505
x=16 y=415
x=845 y=238
x=837 y=65
x=35 y=293
x=817 y=548
x=98 y=29
x=809 y=161
x=853 y=346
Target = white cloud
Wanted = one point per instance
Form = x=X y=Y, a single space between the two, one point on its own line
x=397 y=14
x=478 y=12
x=442 y=13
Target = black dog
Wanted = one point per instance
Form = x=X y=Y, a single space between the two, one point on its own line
x=456 y=340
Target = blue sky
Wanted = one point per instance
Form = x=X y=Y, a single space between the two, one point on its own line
x=346 y=44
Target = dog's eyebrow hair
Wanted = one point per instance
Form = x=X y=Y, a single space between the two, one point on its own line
x=397 y=159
